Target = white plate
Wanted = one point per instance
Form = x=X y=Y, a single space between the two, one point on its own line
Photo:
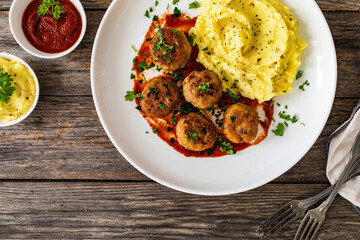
x=124 y=24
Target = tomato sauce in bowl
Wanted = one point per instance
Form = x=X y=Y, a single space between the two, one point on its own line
x=46 y=33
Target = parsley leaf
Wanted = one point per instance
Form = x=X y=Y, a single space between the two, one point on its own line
x=279 y=131
x=194 y=5
x=6 y=90
x=207 y=51
x=299 y=74
x=191 y=40
x=143 y=66
x=191 y=136
x=175 y=1
x=177 y=13
x=287 y=117
x=52 y=7
x=203 y=87
x=131 y=95
x=301 y=87
x=234 y=96
x=226 y=147
x=161 y=105
x=156 y=3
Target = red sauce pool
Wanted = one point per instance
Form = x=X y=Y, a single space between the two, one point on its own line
x=165 y=129
x=46 y=33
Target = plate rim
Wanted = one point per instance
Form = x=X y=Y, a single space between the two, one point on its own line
x=185 y=189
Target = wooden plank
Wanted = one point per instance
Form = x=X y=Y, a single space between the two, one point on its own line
x=325 y=5
x=63 y=139
x=70 y=75
x=72 y=210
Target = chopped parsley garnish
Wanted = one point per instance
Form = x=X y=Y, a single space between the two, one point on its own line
x=6 y=90
x=226 y=147
x=52 y=7
x=149 y=39
x=186 y=107
x=177 y=13
x=138 y=107
x=132 y=76
x=287 y=117
x=177 y=76
x=172 y=140
x=175 y=1
x=161 y=105
x=191 y=136
x=143 y=66
x=135 y=50
x=155 y=18
x=272 y=103
x=169 y=129
x=301 y=87
x=162 y=46
x=191 y=39
x=299 y=74
x=194 y=5
x=207 y=51
x=173 y=119
x=156 y=3
x=203 y=87
x=177 y=32
x=155 y=130
x=234 y=96
x=232 y=118
x=147 y=14
x=279 y=131
x=130 y=95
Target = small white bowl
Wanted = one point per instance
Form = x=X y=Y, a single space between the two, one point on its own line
x=12 y=57
x=15 y=20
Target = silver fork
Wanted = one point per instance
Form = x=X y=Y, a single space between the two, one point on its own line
x=313 y=220
x=293 y=210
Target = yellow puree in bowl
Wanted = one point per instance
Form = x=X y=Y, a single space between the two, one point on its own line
x=253 y=45
x=24 y=95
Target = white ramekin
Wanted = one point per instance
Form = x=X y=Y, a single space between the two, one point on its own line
x=15 y=20
x=12 y=57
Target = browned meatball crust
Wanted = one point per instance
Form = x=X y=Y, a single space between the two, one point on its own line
x=160 y=97
x=170 y=49
x=202 y=89
x=240 y=123
x=195 y=132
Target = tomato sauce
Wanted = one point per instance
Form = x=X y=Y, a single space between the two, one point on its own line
x=46 y=33
x=165 y=128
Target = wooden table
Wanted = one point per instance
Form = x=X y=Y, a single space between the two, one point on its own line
x=61 y=177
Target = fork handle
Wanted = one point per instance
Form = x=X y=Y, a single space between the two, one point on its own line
x=312 y=200
x=349 y=166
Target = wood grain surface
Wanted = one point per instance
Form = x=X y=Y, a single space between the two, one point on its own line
x=61 y=177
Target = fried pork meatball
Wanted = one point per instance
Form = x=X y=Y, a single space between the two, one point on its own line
x=170 y=49
x=240 y=123
x=202 y=89
x=160 y=97
x=195 y=132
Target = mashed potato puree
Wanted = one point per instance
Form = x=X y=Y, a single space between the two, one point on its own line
x=253 y=45
x=24 y=95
